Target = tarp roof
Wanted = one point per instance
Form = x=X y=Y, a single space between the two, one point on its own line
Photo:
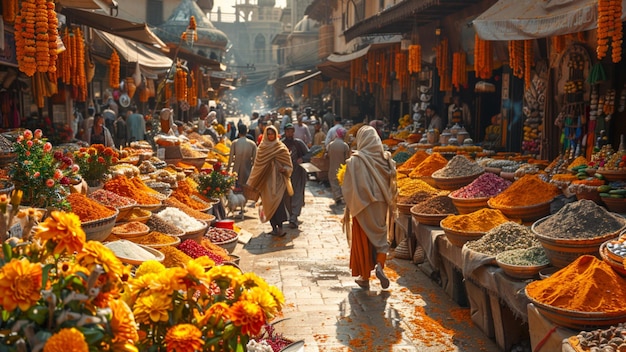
x=138 y=32
x=150 y=60
x=520 y=20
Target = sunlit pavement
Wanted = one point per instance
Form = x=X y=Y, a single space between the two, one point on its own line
x=324 y=306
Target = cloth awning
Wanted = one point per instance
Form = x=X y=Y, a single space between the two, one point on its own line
x=88 y=4
x=138 y=32
x=338 y=66
x=151 y=61
x=304 y=79
x=521 y=20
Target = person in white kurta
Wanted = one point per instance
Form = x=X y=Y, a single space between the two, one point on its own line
x=242 y=154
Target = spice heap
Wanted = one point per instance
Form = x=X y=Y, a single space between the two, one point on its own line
x=155 y=238
x=459 y=166
x=410 y=186
x=601 y=339
x=179 y=219
x=137 y=214
x=583 y=219
x=528 y=190
x=132 y=227
x=534 y=256
x=206 y=243
x=129 y=250
x=481 y=220
x=196 y=250
x=486 y=185
x=415 y=198
x=196 y=214
x=126 y=187
x=111 y=199
x=434 y=162
x=504 y=237
x=585 y=285
x=187 y=188
x=174 y=257
x=437 y=205
x=157 y=223
x=88 y=209
x=219 y=235
x=417 y=158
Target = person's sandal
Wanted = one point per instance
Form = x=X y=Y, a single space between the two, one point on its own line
x=364 y=284
x=380 y=274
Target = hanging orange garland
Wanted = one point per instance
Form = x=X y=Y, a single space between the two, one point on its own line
x=609 y=27
x=53 y=34
x=42 y=48
x=483 y=58
x=180 y=83
x=558 y=43
x=114 y=70
x=25 y=40
x=616 y=38
x=9 y=10
x=459 y=69
x=192 y=92
x=516 y=57
x=443 y=66
x=415 y=58
x=80 y=78
x=528 y=62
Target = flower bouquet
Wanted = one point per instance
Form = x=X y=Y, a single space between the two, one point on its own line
x=44 y=175
x=216 y=183
x=95 y=162
x=60 y=293
x=201 y=307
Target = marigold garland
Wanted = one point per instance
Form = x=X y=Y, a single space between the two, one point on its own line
x=443 y=66
x=516 y=57
x=459 y=69
x=53 y=34
x=79 y=78
x=9 y=10
x=114 y=70
x=483 y=58
x=180 y=83
x=528 y=62
x=415 y=58
x=558 y=43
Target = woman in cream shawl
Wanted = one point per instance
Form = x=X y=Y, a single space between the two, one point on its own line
x=369 y=190
x=270 y=176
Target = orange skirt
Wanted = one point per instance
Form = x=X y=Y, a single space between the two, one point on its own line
x=362 y=253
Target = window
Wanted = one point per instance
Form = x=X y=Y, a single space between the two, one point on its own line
x=154 y=12
x=259 y=48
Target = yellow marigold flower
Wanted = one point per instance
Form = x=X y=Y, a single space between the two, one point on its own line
x=141 y=283
x=123 y=327
x=205 y=262
x=95 y=253
x=277 y=294
x=64 y=230
x=66 y=268
x=248 y=316
x=149 y=266
x=66 y=340
x=183 y=337
x=152 y=308
x=20 y=284
x=250 y=280
x=215 y=313
x=169 y=280
x=227 y=273
x=198 y=274
x=341 y=173
x=264 y=299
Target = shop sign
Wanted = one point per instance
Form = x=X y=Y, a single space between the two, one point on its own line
x=7 y=54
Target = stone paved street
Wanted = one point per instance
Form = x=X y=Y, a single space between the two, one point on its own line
x=325 y=307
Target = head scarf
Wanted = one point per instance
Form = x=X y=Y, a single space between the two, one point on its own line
x=370 y=175
x=265 y=175
x=341 y=132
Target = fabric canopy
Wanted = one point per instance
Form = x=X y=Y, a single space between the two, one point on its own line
x=138 y=32
x=88 y=4
x=304 y=79
x=520 y=20
x=151 y=61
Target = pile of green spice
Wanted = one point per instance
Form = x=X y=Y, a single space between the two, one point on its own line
x=459 y=166
x=504 y=237
x=533 y=256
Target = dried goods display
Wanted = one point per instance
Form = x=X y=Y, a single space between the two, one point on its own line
x=534 y=105
x=459 y=166
x=486 y=185
x=219 y=235
x=504 y=237
x=533 y=256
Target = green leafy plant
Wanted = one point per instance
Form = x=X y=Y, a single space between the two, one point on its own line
x=95 y=162
x=215 y=183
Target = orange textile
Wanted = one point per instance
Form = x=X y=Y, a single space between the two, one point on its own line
x=361 y=252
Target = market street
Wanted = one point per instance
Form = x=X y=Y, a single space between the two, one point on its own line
x=324 y=306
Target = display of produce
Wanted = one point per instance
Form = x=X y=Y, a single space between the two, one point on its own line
x=432 y=163
x=220 y=235
x=435 y=205
x=88 y=209
x=504 y=237
x=486 y=185
x=528 y=190
x=533 y=256
x=481 y=220
x=180 y=219
x=111 y=199
x=458 y=166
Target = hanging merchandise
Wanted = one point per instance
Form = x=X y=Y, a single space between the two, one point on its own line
x=558 y=43
x=443 y=66
x=9 y=10
x=459 y=69
x=131 y=87
x=483 y=58
x=192 y=91
x=35 y=40
x=79 y=78
x=516 y=57
x=415 y=58
x=609 y=28
x=114 y=70
x=528 y=62
x=180 y=82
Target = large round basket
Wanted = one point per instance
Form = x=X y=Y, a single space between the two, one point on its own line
x=250 y=193
x=6 y=187
x=196 y=162
x=229 y=245
x=528 y=214
x=158 y=256
x=469 y=205
x=195 y=235
x=454 y=183
x=125 y=211
x=522 y=272
x=618 y=266
x=428 y=219
x=459 y=238
x=175 y=242
x=616 y=205
x=562 y=251
x=578 y=320
x=100 y=229
x=613 y=175
x=404 y=208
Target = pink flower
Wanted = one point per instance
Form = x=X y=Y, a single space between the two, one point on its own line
x=75 y=168
x=65 y=181
x=58 y=174
x=28 y=135
x=36 y=174
x=50 y=183
x=38 y=133
x=20 y=139
x=47 y=147
x=27 y=152
x=29 y=143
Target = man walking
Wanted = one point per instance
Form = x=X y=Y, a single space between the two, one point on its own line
x=242 y=154
x=136 y=126
x=298 y=150
x=302 y=132
x=338 y=152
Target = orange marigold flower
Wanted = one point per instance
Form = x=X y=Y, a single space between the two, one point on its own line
x=95 y=253
x=20 y=284
x=122 y=322
x=249 y=316
x=183 y=337
x=64 y=230
x=68 y=339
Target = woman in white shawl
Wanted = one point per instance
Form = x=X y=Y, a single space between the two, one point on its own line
x=369 y=190
x=270 y=176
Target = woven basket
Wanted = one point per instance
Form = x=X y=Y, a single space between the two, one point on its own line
x=402 y=250
x=250 y=193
